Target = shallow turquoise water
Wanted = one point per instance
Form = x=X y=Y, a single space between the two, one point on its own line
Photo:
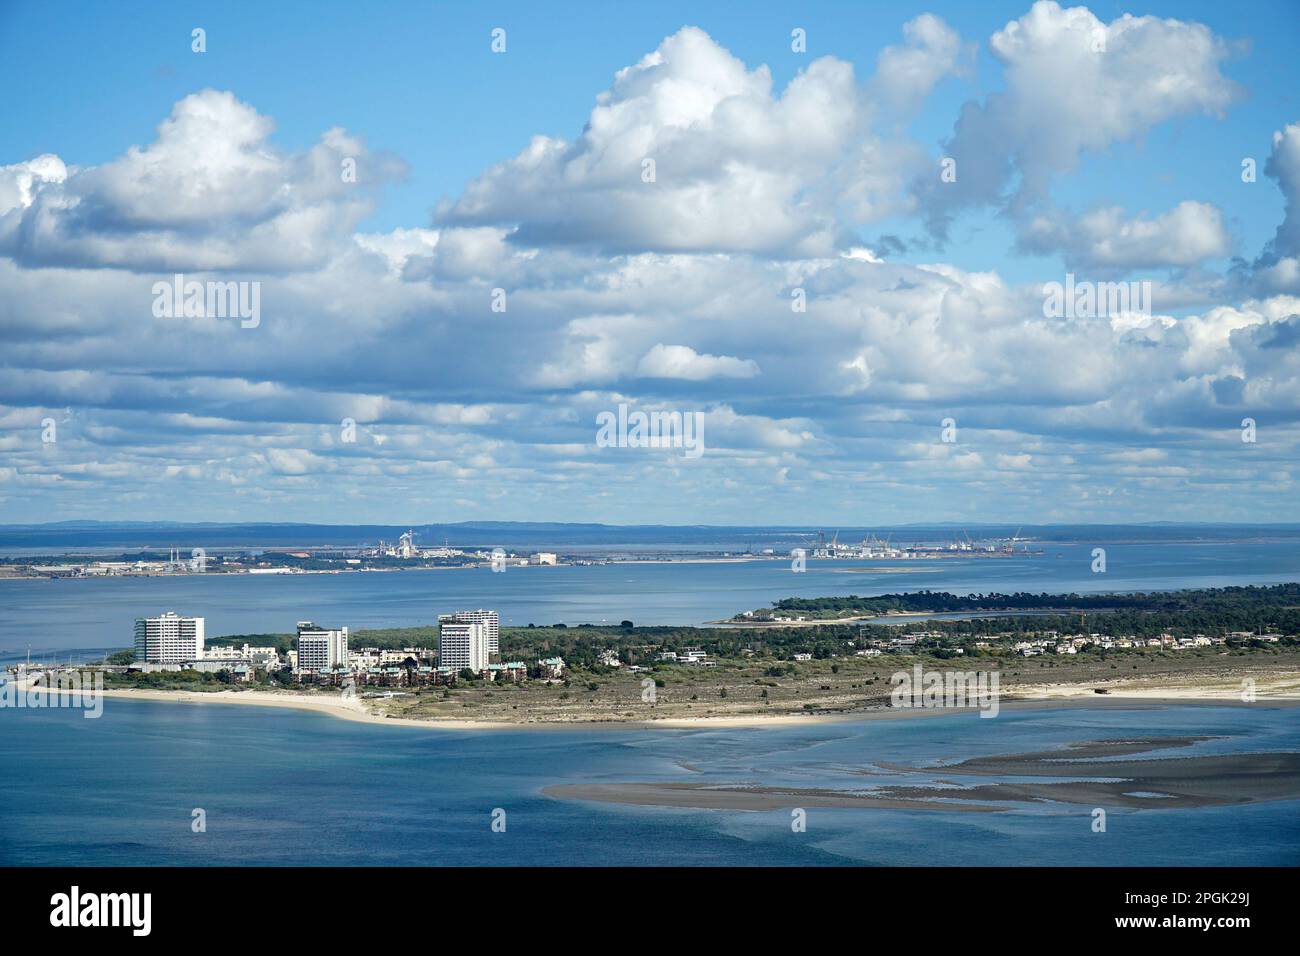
x=285 y=787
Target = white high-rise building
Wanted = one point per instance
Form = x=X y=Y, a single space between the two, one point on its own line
x=321 y=649
x=462 y=644
x=490 y=620
x=168 y=639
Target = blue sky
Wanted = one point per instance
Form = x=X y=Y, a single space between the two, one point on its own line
x=419 y=79
x=1130 y=171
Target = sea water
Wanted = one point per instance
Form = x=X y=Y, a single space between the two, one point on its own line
x=280 y=787
x=81 y=615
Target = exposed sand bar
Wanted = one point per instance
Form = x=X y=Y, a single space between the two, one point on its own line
x=702 y=797
x=1161 y=783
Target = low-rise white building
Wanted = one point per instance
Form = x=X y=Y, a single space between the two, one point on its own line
x=266 y=657
x=552 y=668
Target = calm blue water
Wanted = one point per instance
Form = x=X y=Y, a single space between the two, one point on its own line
x=77 y=614
x=283 y=787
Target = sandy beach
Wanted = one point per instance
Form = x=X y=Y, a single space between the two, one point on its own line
x=1278 y=687
x=334 y=705
x=1278 y=690
x=355 y=709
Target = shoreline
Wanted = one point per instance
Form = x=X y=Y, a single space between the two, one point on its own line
x=295 y=572
x=901 y=617
x=905 y=568
x=1037 y=697
x=1279 y=688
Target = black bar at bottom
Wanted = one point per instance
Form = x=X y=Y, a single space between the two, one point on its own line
x=335 y=905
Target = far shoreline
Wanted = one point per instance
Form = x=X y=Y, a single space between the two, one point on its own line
x=297 y=572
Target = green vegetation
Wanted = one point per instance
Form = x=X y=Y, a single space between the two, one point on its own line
x=172 y=680
x=1222 y=601
x=755 y=669
x=283 y=643
x=1212 y=611
x=771 y=649
x=393 y=638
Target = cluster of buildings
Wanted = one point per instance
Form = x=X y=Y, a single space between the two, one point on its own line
x=688 y=655
x=873 y=548
x=896 y=645
x=406 y=548
x=765 y=615
x=1072 y=644
x=467 y=641
x=171 y=642
x=1050 y=642
x=177 y=562
x=197 y=561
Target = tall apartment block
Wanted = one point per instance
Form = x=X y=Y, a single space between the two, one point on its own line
x=490 y=620
x=321 y=649
x=168 y=639
x=462 y=644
